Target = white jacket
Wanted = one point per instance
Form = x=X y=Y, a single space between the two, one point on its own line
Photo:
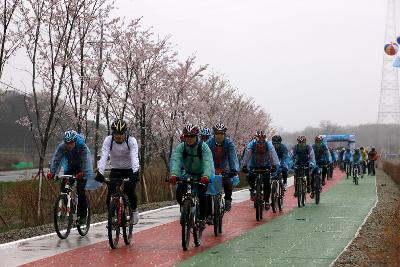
x=121 y=156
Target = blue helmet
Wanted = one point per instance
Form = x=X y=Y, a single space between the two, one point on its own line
x=205 y=131
x=70 y=136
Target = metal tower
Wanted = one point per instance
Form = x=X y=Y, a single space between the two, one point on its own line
x=389 y=103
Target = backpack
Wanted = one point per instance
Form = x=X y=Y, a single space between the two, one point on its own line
x=199 y=151
x=126 y=140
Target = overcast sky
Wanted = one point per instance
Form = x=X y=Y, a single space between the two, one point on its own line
x=303 y=60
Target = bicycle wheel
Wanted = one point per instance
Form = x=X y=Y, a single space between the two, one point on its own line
x=83 y=229
x=127 y=222
x=197 y=230
x=221 y=214
x=62 y=222
x=303 y=193
x=298 y=191
x=186 y=223
x=259 y=206
x=317 y=188
x=274 y=198
x=113 y=226
x=217 y=210
x=280 y=197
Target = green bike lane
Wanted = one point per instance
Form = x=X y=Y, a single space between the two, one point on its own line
x=311 y=236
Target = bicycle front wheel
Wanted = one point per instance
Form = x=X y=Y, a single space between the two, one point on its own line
x=259 y=206
x=317 y=187
x=280 y=197
x=127 y=223
x=197 y=229
x=113 y=226
x=274 y=198
x=83 y=229
x=216 y=215
x=62 y=218
x=303 y=193
x=186 y=224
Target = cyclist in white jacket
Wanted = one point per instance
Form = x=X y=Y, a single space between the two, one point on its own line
x=123 y=152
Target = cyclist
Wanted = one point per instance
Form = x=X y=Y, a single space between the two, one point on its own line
x=357 y=159
x=372 y=157
x=322 y=157
x=347 y=158
x=196 y=159
x=205 y=134
x=364 y=154
x=303 y=155
x=260 y=154
x=75 y=158
x=283 y=155
x=341 y=163
x=225 y=159
x=123 y=152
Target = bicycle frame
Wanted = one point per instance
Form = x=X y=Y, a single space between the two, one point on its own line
x=118 y=196
x=70 y=193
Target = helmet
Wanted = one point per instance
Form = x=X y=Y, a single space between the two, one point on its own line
x=356 y=149
x=219 y=128
x=301 y=139
x=319 y=139
x=348 y=149
x=119 y=126
x=362 y=148
x=205 y=131
x=373 y=149
x=191 y=129
x=70 y=136
x=260 y=133
x=276 y=139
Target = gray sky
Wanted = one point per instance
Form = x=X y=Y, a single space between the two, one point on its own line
x=303 y=60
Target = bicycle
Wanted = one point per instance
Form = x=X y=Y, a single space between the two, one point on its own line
x=301 y=184
x=119 y=214
x=277 y=193
x=356 y=173
x=215 y=193
x=331 y=167
x=66 y=208
x=190 y=213
x=259 y=184
x=348 y=169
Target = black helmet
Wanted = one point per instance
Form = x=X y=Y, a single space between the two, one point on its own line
x=119 y=126
x=276 y=139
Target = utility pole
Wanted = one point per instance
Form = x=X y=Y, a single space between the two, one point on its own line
x=389 y=102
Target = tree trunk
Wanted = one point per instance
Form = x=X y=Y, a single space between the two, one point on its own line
x=144 y=195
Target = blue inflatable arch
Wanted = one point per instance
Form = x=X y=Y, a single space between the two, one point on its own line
x=349 y=138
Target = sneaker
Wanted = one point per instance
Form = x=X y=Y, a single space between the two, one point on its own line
x=135 y=215
x=202 y=224
x=284 y=186
x=228 y=204
x=312 y=195
x=267 y=205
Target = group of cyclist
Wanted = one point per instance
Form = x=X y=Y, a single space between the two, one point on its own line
x=201 y=154
x=360 y=158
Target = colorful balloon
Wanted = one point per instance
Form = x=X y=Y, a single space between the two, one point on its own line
x=391 y=49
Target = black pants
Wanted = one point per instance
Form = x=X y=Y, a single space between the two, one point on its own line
x=201 y=194
x=266 y=187
x=284 y=175
x=372 y=167
x=80 y=191
x=129 y=187
x=228 y=187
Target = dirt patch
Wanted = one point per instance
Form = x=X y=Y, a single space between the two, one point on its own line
x=378 y=243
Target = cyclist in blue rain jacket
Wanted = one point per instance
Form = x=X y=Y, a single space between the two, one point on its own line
x=75 y=158
x=303 y=155
x=357 y=160
x=322 y=157
x=260 y=154
x=225 y=160
x=283 y=155
x=347 y=158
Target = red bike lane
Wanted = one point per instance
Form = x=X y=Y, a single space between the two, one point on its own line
x=161 y=245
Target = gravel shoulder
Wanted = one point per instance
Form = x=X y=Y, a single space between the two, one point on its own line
x=378 y=242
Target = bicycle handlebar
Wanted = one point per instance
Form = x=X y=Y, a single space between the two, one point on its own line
x=117 y=180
